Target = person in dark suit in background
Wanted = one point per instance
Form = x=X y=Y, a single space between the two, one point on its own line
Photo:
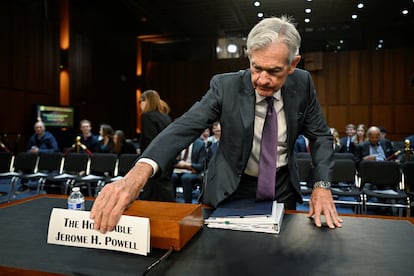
x=87 y=137
x=189 y=167
x=347 y=141
x=42 y=140
x=375 y=148
x=301 y=144
x=239 y=101
x=155 y=118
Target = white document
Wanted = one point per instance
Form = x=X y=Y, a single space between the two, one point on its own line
x=74 y=228
x=265 y=224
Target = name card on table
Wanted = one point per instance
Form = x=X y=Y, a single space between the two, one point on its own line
x=74 y=228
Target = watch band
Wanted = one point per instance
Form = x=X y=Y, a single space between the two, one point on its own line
x=322 y=184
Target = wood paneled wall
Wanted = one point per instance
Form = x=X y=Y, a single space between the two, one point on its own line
x=369 y=87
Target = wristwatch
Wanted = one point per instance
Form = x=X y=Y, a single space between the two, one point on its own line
x=322 y=184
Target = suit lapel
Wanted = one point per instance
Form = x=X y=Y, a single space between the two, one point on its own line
x=290 y=107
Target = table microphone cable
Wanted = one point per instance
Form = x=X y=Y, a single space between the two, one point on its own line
x=159 y=260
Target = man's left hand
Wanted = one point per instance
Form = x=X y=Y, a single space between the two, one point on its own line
x=321 y=203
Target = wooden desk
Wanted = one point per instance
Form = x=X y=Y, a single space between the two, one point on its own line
x=364 y=246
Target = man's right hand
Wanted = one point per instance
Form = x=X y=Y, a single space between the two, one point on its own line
x=116 y=197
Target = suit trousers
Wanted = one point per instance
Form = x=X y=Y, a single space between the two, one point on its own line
x=284 y=191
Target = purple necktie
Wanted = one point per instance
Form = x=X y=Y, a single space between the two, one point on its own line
x=268 y=154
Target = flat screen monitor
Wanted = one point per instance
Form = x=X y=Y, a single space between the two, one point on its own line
x=56 y=116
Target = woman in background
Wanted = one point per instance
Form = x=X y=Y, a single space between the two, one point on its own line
x=105 y=143
x=360 y=136
x=121 y=145
x=154 y=119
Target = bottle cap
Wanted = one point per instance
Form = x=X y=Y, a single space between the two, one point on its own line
x=75 y=189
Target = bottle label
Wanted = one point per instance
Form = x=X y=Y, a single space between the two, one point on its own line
x=75 y=206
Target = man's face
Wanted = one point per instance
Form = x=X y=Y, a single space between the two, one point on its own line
x=350 y=131
x=85 y=128
x=217 y=130
x=374 y=137
x=270 y=68
x=39 y=128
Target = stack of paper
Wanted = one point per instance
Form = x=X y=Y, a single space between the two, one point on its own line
x=248 y=215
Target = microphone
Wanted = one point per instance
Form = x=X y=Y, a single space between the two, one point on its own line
x=392 y=156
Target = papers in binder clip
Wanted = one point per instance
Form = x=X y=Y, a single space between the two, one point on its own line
x=248 y=215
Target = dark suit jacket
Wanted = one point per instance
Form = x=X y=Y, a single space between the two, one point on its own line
x=153 y=123
x=362 y=149
x=343 y=142
x=231 y=100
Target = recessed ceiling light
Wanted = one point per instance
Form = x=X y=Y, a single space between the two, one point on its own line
x=256 y=3
x=232 y=48
x=354 y=16
x=308 y=10
x=260 y=14
x=307 y=20
x=404 y=12
x=360 y=5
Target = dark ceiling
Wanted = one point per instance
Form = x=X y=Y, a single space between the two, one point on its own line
x=207 y=19
x=330 y=19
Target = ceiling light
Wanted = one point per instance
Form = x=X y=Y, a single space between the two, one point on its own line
x=307 y=20
x=260 y=14
x=354 y=16
x=404 y=12
x=341 y=41
x=256 y=3
x=232 y=48
x=360 y=5
x=308 y=10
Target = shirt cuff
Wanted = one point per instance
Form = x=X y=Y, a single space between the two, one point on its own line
x=152 y=163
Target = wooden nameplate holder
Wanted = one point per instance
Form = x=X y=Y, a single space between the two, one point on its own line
x=171 y=224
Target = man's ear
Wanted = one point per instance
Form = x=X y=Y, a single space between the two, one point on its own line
x=294 y=63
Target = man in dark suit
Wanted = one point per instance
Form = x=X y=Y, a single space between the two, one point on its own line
x=239 y=101
x=189 y=168
x=376 y=148
x=346 y=142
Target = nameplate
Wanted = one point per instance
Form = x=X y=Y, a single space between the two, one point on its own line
x=74 y=228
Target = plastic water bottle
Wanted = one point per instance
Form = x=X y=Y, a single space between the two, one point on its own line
x=76 y=200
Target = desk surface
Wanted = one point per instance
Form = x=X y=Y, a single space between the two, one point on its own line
x=364 y=246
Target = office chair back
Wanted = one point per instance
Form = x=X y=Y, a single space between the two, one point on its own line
x=6 y=163
x=125 y=162
x=380 y=173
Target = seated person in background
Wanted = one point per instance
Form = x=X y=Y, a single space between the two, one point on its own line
x=301 y=144
x=347 y=141
x=105 y=144
x=205 y=135
x=216 y=129
x=42 y=140
x=87 y=137
x=375 y=148
x=361 y=134
x=121 y=145
x=337 y=146
x=189 y=167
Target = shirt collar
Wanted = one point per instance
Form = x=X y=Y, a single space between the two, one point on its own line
x=277 y=96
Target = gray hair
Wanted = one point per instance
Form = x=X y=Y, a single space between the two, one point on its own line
x=274 y=29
